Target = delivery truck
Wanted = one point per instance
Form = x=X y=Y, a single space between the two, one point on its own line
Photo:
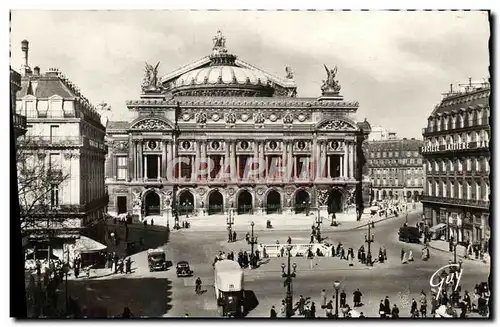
x=229 y=290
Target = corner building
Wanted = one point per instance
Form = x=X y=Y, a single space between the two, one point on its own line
x=233 y=117
x=456 y=157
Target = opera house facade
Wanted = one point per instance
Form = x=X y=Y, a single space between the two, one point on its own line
x=221 y=135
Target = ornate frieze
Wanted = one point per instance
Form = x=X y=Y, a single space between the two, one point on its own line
x=288 y=118
x=338 y=125
x=120 y=146
x=201 y=118
x=322 y=197
x=259 y=118
x=230 y=117
x=151 y=124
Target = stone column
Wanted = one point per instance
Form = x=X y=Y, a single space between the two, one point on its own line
x=204 y=159
x=130 y=158
x=159 y=167
x=329 y=163
x=283 y=160
x=237 y=172
x=312 y=158
x=145 y=168
x=169 y=165
x=341 y=165
x=262 y=147
x=317 y=159
x=351 y=160
x=267 y=165
x=196 y=167
x=345 y=164
x=140 y=173
x=163 y=169
x=255 y=159
x=290 y=162
x=133 y=172
x=226 y=159
x=233 y=159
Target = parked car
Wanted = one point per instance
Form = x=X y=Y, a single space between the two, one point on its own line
x=183 y=269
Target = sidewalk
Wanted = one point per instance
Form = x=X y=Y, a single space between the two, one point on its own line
x=444 y=247
x=279 y=222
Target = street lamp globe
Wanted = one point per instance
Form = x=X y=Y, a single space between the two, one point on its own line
x=336 y=284
x=283 y=266
x=252 y=223
x=294 y=266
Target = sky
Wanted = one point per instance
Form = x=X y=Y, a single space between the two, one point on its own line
x=395 y=64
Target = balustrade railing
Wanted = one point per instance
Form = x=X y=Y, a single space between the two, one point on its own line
x=469 y=202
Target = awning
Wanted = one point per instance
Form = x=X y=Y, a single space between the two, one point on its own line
x=437 y=227
x=88 y=245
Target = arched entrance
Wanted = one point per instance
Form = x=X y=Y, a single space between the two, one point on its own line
x=378 y=195
x=215 y=203
x=335 y=201
x=390 y=194
x=416 y=196
x=186 y=203
x=302 y=201
x=384 y=194
x=408 y=195
x=244 y=203
x=152 y=204
x=273 y=202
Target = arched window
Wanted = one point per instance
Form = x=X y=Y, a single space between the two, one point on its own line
x=469 y=190
x=486 y=165
x=444 y=189
x=451 y=166
x=438 y=124
x=452 y=190
x=454 y=121
x=478 y=191
x=469 y=165
x=445 y=123
x=486 y=191
x=461 y=120
x=460 y=190
x=443 y=163
x=429 y=188
x=479 y=116
x=436 y=166
x=471 y=118
x=436 y=185
x=459 y=165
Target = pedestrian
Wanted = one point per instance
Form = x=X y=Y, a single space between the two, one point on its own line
x=126 y=313
x=402 y=254
x=302 y=303
x=273 y=314
x=467 y=300
x=413 y=309
x=434 y=305
x=76 y=268
x=234 y=237
x=359 y=254
x=357 y=298
x=128 y=266
x=121 y=266
x=312 y=239
x=361 y=315
x=387 y=306
x=410 y=256
x=405 y=258
x=289 y=240
x=283 y=309
x=342 y=254
x=381 y=309
x=152 y=222
x=333 y=250
x=323 y=299
x=329 y=308
x=247 y=237
x=282 y=251
x=313 y=310
x=363 y=257
x=395 y=311
x=343 y=297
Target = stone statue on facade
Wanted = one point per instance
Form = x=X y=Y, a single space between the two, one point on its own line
x=219 y=43
x=289 y=72
x=322 y=197
x=137 y=200
x=330 y=85
x=150 y=81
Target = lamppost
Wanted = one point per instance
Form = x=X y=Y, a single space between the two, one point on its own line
x=288 y=281
x=230 y=222
x=369 y=239
x=253 y=240
x=175 y=135
x=307 y=205
x=406 y=212
x=336 y=285
x=455 y=243
x=319 y=220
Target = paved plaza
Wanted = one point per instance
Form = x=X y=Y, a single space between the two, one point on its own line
x=401 y=282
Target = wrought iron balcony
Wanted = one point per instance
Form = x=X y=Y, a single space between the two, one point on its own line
x=19 y=123
x=464 y=146
x=453 y=201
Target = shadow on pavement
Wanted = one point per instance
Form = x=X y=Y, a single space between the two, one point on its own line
x=146 y=297
x=250 y=301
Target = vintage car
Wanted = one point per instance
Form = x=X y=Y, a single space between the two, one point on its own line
x=157 y=259
x=183 y=269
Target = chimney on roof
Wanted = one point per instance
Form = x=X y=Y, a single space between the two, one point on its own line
x=413 y=139
x=24 y=48
x=36 y=71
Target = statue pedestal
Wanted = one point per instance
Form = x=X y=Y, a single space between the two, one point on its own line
x=259 y=212
x=137 y=213
x=323 y=212
x=168 y=215
x=288 y=211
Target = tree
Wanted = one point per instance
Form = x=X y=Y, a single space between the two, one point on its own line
x=41 y=178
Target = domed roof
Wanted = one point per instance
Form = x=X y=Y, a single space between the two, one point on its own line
x=222 y=75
